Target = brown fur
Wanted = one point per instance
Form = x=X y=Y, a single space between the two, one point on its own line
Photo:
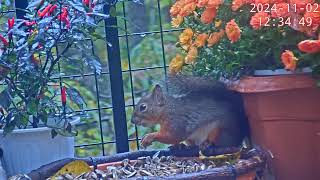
x=197 y=116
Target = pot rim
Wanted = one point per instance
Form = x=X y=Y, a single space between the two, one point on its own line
x=40 y=129
x=267 y=72
x=254 y=84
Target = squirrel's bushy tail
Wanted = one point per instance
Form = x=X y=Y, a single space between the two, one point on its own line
x=195 y=86
x=186 y=84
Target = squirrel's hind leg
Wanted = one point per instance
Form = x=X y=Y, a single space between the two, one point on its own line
x=210 y=142
x=213 y=136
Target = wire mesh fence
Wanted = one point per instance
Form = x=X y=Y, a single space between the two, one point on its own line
x=139 y=44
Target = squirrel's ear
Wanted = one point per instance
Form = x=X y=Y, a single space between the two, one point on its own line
x=157 y=95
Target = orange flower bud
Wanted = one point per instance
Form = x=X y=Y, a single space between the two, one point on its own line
x=289 y=60
x=208 y=15
x=192 y=55
x=233 y=31
x=201 y=40
x=215 y=37
x=309 y=46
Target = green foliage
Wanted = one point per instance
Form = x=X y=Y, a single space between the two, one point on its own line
x=255 y=50
x=146 y=52
x=30 y=51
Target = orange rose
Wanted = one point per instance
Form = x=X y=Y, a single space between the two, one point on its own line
x=281 y=11
x=237 y=4
x=215 y=37
x=214 y=3
x=233 y=31
x=202 y=3
x=259 y=19
x=187 y=9
x=201 y=40
x=208 y=15
x=176 y=22
x=289 y=60
x=185 y=38
x=176 y=64
x=309 y=46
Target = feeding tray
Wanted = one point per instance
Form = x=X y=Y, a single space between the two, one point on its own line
x=164 y=164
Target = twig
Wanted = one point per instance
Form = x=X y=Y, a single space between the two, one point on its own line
x=57 y=59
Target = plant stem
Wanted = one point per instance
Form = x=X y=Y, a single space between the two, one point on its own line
x=57 y=59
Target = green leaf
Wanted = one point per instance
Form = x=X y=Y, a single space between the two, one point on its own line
x=32 y=107
x=45 y=22
x=76 y=97
x=96 y=36
x=113 y=11
x=34 y=4
x=99 y=14
x=5 y=99
x=44 y=116
x=22 y=120
x=78 y=6
x=94 y=63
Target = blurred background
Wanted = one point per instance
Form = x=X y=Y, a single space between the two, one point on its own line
x=147 y=44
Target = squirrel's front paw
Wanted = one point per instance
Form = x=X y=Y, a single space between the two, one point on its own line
x=147 y=140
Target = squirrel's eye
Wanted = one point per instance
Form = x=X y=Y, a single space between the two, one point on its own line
x=143 y=107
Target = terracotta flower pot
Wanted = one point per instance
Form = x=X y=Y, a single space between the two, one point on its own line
x=284 y=117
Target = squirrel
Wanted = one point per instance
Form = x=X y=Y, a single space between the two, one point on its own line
x=196 y=110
